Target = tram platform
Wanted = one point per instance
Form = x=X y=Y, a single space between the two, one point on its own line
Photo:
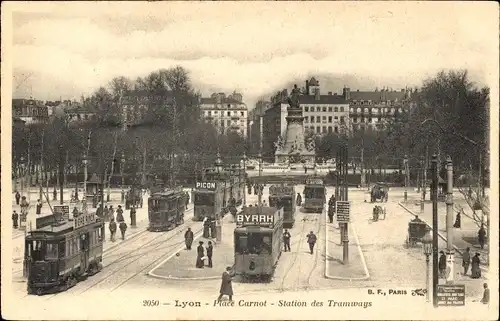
x=335 y=268
x=181 y=264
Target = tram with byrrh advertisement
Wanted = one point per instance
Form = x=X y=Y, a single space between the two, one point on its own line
x=283 y=196
x=166 y=209
x=59 y=253
x=258 y=239
x=314 y=195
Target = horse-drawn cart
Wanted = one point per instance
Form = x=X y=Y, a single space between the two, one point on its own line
x=416 y=231
x=379 y=191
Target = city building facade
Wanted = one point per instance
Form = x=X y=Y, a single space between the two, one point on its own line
x=226 y=113
x=30 y=111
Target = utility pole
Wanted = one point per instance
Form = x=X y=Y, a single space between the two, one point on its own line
x=449 y=220
x=363 y=177
x=41 y=169
x=434 y=196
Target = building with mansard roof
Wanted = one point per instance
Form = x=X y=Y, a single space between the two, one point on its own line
x=226 y=113
x=30 y=111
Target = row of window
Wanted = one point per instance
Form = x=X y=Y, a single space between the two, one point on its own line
x=73 y=244
x=229 y=123
x=366 y=120
x=323 y=109
x=324 y=119
x=377 y=110
x=209 y=113
x=324 y=129
x=369 y=102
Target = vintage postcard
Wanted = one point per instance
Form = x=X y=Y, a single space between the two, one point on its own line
x=249 y=160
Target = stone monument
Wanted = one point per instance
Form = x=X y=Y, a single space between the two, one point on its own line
x=292 y=148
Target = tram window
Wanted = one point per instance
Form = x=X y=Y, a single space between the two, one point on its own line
x=37 y=253
x=204 y=199
x=314 y=192
x=52 y=251
x=253 y=243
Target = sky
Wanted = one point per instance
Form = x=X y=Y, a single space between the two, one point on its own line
x=66 y=50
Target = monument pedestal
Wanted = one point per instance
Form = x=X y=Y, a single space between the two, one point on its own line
x=282 y=157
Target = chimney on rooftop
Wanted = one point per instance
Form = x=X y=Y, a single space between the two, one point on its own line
x=346 y=92
x=316 y=94
x=307 y=88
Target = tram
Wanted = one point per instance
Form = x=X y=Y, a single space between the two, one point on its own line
x=283 y=196
x=258 y=238
x=166 y=209
x=59 y=253
x=314 y=195
x=213 y=195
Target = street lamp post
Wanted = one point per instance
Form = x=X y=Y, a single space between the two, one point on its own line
x=427 y=246
x=245 y=179
x=449 y=219
x=434 y=195
x=260 y=174
x=218 y=220
x=122 y=164
x=85 y=168
x=22 y=175
x=405 y=164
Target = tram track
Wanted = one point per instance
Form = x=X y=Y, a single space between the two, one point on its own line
x=322 y=219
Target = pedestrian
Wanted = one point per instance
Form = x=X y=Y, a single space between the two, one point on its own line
x=133 y=217
x=481 y=236
x=75 y=212
x=486 y=294
x=187 y=200
x=38 y=207
x=442 y=265
x=286 y=240
x=111 y=212
x=458 y=221
x=475 y=270
x=15 y=218
x=311 y=240
x=123 y=228
x=199 y=256
x=264 y=203
x=331 y=211
x=210 y=251
x=54 y=195
x=299 y=199
x=206 y=227
x=99 y=211
x=466 y=260
x=119 y=214
x=112 y=229
x=188 y=238
x=106 y=214
x=18 y=197
x=226 y=287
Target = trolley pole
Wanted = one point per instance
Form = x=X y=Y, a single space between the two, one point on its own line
x=103 y=229
x=449 y=221
x=434 y=196
x=422 y=183
x=345 y=238
x=244 y=179
x=260 y=174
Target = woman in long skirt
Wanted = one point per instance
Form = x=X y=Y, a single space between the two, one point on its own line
x=475 y=271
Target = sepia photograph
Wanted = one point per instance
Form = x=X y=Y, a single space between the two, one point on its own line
x=256 y=160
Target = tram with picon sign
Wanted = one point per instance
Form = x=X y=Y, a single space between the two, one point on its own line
x=283 y=196
x=166 y=209
x=59 y=253
x=258 y=240
x=314 y=195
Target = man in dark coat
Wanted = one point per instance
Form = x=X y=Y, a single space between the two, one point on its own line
x=18 y=197
x=298 y=199
x=15 y=219
x=187 y=199
x=188 y=238
x=123 y=228
x=199 y=256
x=481 y=236
x=286 y=240
x=466 y=260
x=311 y=240
x=38 y=207
x=486 y=294
x=475 y=270
x=210 y=251
x=442 y=265
x=226 y=287
x=112 y=229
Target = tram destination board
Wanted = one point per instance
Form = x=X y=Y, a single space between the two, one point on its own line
x=61 y=211
x=451 y=295
x=343 y=211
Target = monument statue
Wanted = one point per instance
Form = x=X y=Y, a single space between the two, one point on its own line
x=294 y=100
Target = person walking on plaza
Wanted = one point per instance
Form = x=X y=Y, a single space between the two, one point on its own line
x=199 y=255
x=311 y=240
x=458 y=221
x=111 y=212
x=299 y=199
x=119 y=214
x=481 y=236
x=123 y=228
x=187 y=200
x=188 y=238
x=486 y=294
x=15 y=219
x=466 y=260
x=475 y=270
x=112 y=229
x=18 y=197
x=442 y=265
x=106 y=213
x=286 y=240
x=210 y=251
x=226 y=287
x=38 y=207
